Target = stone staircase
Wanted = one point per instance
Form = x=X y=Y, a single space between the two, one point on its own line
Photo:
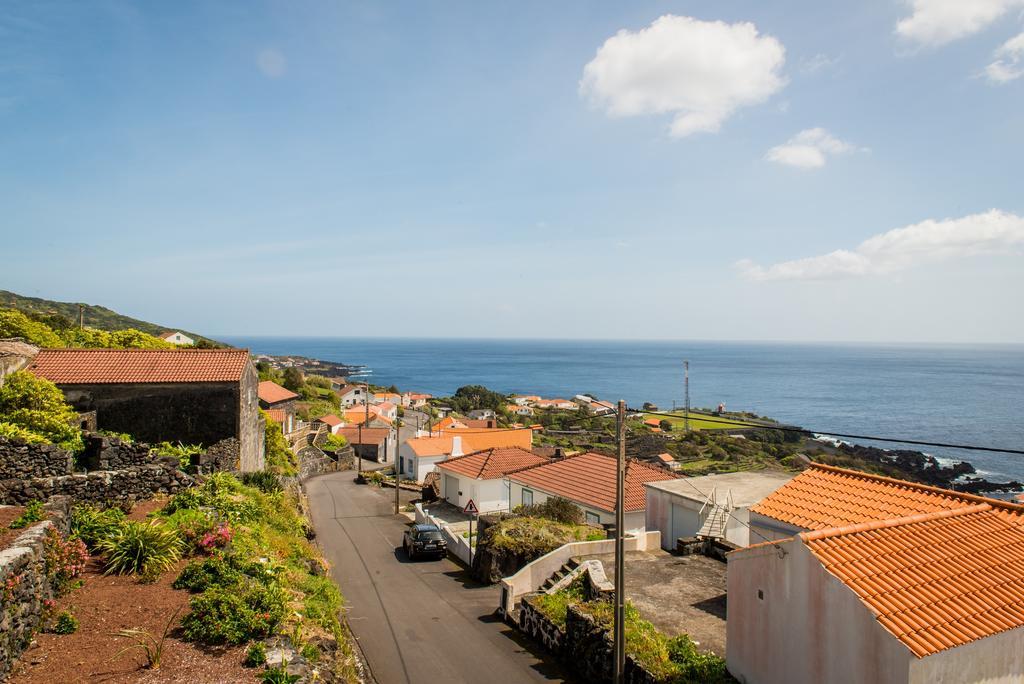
x=559 y=574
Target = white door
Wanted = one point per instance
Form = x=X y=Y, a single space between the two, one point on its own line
x=451 y=489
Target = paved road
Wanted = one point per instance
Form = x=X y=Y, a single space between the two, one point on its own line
x=424 y=621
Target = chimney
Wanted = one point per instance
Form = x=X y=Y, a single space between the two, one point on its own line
x=457 y=446
x=558 y=454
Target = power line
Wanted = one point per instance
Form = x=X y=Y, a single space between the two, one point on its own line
x=811 y=432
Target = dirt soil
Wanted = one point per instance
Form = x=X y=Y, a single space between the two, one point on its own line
x=108 y=604
x=7 y=515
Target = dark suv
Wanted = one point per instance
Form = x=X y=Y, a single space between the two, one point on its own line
x=424 y=540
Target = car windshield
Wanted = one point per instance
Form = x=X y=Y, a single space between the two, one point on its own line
x=429 y=535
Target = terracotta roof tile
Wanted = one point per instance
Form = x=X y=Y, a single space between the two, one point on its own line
x=272 y=393
x=370 y=435
x=934 y=580
x=277 y=415
x=492 y=463
x=589 y=478
x=330 y=419
x=118 y=366
x=472 y=440
x=824 y=496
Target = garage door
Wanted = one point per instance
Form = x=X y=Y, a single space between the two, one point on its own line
x=685 y=523
x=451 y=489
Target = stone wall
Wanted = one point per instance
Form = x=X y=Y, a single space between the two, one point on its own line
x=19 y=460
x=26 y=585
x=130 y=484
x=250 y=427
x=111 y=453
x=539 y=628
x=313 y=461
x=224 y=456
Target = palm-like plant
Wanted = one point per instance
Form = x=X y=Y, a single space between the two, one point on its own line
x=143 y=549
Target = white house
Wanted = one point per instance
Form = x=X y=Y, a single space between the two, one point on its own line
x=385 y=409
x=419 y=455
x=588 y=480
x=480 y=414
x=352 y=395
x=679 y=508
x=333 y=423
x=480 y=476
x=177 y=337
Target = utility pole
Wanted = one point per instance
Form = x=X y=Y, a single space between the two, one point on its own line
x=394 y=458
x=620 y=565
x=81 y=316
x=686 y=377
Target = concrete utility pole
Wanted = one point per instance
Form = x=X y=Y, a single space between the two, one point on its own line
x=620 y=559
x=398 y=475
x=81 y=316
x=686 y=379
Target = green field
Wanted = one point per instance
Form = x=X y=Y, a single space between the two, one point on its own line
x=698 y=421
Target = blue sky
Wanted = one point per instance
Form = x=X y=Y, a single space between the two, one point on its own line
x=696 y=170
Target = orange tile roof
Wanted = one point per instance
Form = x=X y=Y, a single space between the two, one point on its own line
x=330 y=419
x=118 y=366
x=277 y=415
x=492 y=463
x=370 y=435
x=472 y=440
x=825 y=496
x=933 y=580
x=590 y=479
x=270 y=392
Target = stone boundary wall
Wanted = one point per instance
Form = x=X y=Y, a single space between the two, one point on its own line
x=111 y=453
x=25 y=584
x=130 y=484
x=538 y=627
x=313 y=461
x=21 y=460
x=223 y=456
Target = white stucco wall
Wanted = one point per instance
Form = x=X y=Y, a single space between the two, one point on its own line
x=679 y=516
x=998 y=659
x=763 y=528
x=807 y=627
x=634 y=521
x=488 y=495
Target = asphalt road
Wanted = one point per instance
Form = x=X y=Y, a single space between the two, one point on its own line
x=422 y=621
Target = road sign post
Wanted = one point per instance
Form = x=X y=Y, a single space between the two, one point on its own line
x=470 y=510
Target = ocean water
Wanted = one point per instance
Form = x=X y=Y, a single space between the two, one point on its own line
x=953 y=394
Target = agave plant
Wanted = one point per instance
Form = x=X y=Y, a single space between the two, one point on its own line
x=141 y=548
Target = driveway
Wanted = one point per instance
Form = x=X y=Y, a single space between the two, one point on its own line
x=425 y=621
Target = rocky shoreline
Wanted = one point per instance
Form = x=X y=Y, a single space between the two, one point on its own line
x=958 y=476
x=330 y=369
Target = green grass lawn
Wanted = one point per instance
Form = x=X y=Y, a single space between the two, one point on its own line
x=698 y=421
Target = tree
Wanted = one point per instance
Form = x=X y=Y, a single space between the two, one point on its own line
x=665 y=425
x=37 y=405
x=16 y=324
x=292 y=379
x=473 y=397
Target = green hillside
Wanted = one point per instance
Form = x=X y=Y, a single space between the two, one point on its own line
x=94 y=316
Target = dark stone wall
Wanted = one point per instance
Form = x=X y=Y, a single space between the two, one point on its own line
x=224 y=456
x=19 y=460
x=192 y=413
x=110 y=453
x=23 y=568
x=130 y=484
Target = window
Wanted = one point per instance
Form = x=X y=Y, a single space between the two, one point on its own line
x=527 y=497
x=593 y=518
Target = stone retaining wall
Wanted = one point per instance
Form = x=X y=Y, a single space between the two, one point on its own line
x=224 y=456
x=20 y=460
x=111 y=453
x=130 y=484
x=25 y=585
x=542 y=630
x=589 y=647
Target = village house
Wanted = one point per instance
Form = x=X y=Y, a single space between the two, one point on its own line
x=883 y=581
x=557 y=404
x=480 y=476
x=524 y=399
x=357 y=415
x=279 y=403
x=352 y=395
x=385 y=410
x=193 y=396
x=333 y=423
x=588 y=480
x=371 y=443
x=177 y=337
x=710 y=506
x=519 y=409
x=481 y=414
x=417 y=400
x=419 y=455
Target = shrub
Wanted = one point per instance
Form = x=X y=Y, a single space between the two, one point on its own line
x=192 y=524
x=36 y=405
x=665 y=426
x=256 y=655
x=554 y=508
x=182 y=452
x=263 y=480
x=63 y=558
x=280 y=458
x=222 y=570
x=91 y=524
x=334 y=443
x=216 y=538
x=143 y=549
x=33 y=513
x=556 y=606
x=280 y=675
x=66 y=623
x=16 y=324
x=20 y=434
x=235 y=615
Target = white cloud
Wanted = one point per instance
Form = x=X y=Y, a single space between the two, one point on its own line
x=1009 y=61
x=808 y=149
x=699 y=71
x=991 y=232
x=936 y=22
x=272 y=63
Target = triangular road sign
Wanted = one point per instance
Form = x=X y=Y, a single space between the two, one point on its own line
x=470 y=508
